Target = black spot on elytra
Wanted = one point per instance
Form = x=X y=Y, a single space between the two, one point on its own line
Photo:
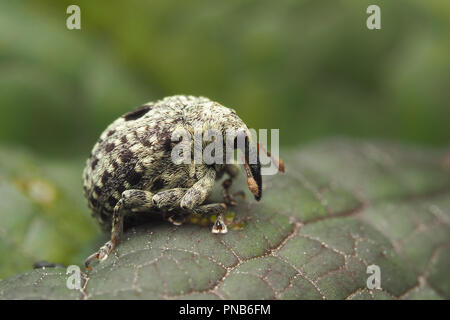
x=104 y=215
x=136 y=114
x=121 y=189
x=110 y=133
x=107 y=211
x=93 y=202
x=105 y=177
x=126 y=156
x=133 y=177
x=146 y=142
x=124 y=139
x=109 y=147
x=164 y=137
x=97 y=190
x=167 y=145
x=158 y=184
x=112 y=201
x=94 y=163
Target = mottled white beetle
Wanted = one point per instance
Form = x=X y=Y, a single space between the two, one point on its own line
x=130 y=169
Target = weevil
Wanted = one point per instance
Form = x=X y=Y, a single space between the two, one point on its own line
x=130 y=170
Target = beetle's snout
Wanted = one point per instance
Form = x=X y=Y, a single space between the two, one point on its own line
x=253 y=170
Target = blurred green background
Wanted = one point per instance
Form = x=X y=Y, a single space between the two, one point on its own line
x=310 y=68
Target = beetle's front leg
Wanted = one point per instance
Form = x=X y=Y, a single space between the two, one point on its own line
x=169 y=200
x=219 y=210
x=200 y=191
x=233 y=171
x=131 y=201
x=191 y=200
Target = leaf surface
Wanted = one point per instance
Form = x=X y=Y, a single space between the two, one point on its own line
x=341 y=206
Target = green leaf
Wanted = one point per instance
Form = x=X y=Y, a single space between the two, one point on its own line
x=340 y=207
x=42 y=211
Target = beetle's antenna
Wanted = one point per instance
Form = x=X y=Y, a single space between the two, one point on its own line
x=278 y=162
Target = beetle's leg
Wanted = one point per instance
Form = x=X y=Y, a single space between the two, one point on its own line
x=186 y=198
x=191 y=200
x=233 y=171
x=227 y=197
x=169 y=200
x=131 y=201
x=219 y=210
x=200 y=191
